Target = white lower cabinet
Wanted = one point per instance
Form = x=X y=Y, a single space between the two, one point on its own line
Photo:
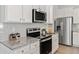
x=55 y=44
x=22 y=50
x=35 y=48
x=32 y=48
x=76 y=39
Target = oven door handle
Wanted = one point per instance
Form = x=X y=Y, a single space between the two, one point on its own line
x=46 y=39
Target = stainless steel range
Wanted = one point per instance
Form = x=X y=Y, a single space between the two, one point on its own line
x=45 y=41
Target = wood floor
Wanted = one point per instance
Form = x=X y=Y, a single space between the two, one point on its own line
x=67 y=50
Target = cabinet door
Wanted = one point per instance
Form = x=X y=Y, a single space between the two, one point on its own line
x=35 y=48
x=26 y=49
x=48 y=13
x=13 y=13
x=76 y=15
x=58 y=13
x=27 y=13
x=76 y=39
x=22 y=50
x=63 y=12
x=43 y=7
x=55 y=43
x=68 y=11
x=56 y=40
x=51 y=15
x=49 y=10
x=35 y=6
x=2 y=13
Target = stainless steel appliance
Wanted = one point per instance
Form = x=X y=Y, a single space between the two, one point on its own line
x=45 y=41
x=33 y=32
x=46 y=45
x=63 y=26
x=38 y=16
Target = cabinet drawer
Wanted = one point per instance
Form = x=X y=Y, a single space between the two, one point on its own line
x=23 y=50
x=35 y=45
x=34 y=48
x=35 y=51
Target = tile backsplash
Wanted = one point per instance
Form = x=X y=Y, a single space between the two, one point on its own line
x=19 y=27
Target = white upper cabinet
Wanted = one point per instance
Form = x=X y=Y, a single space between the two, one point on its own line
x=57 y=13
x=48 y=13
x=16 y=13
x=63 y=12
x=49 y=10
x=13 y=13
x=2 y=13
x=35 y=6
x=76 y=15
x=76 y=39
x=27 y=13
x=43 y=7
x=68 y=11
x=39 y=7
x=23 y=13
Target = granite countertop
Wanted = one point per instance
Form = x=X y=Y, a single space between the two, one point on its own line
x=23 y=42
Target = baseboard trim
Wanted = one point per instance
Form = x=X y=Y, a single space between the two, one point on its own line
x=66 y=45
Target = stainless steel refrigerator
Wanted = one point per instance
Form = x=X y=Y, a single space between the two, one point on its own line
x=64 y=26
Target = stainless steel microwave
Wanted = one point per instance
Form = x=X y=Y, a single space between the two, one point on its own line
x=38 y=16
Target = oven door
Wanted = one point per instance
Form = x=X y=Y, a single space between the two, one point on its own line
x=46 y=46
